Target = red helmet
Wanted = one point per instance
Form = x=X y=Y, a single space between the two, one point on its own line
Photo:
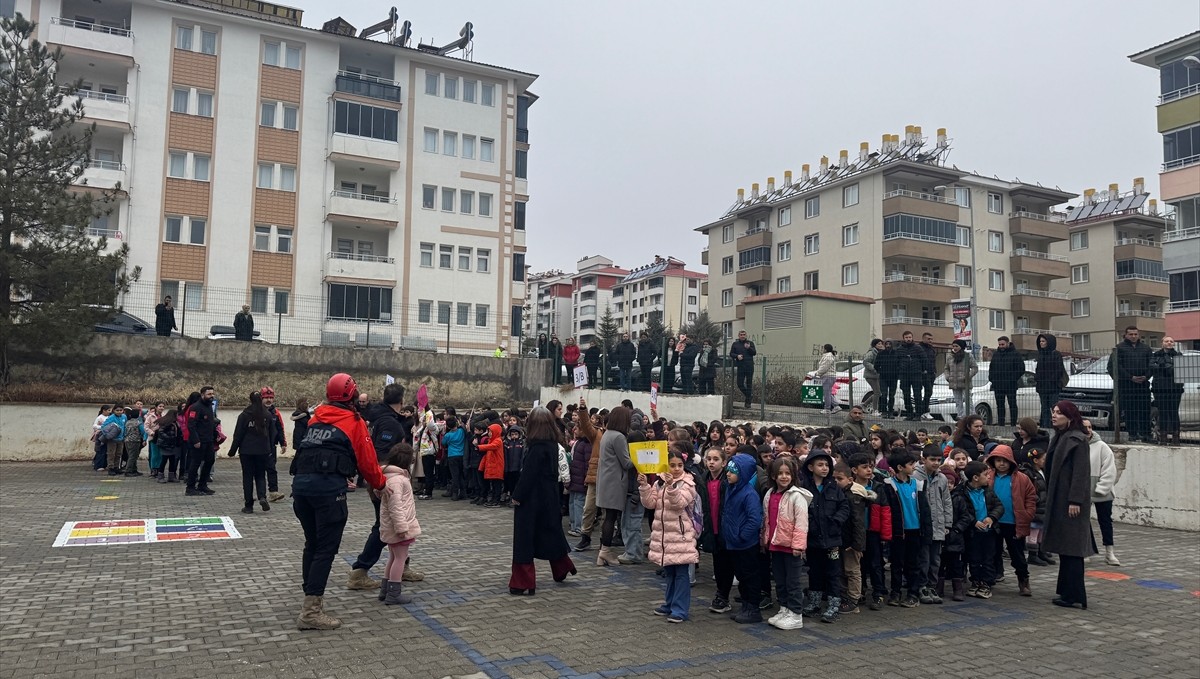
x=341 y=389
x=266 y=392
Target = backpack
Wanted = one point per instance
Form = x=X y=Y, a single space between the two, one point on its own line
x=110 y=431
x=697 y=512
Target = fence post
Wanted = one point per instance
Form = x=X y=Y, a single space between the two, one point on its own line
x=368 y=345
x=849 y=385
x=727 y=365
x=762 y=406
x=447 y=333
x=1115 y=371
x=279 y=330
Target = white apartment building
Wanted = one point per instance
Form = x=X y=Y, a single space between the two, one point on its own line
x=550 y=304
x=331 y=182
x=664 y=288
x=591 y=293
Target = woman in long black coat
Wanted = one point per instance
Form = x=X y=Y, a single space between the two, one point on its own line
x=537 y=519
x=1068 y=530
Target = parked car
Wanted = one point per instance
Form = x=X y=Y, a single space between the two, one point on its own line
x=125 y=323
x=844 y=383
x=983 y=399
x=226 y=332
x=1092 y=391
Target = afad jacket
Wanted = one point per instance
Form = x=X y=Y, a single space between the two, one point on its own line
x=492 y=449
x=672 y=535
x=791 y=526
x=397 y=509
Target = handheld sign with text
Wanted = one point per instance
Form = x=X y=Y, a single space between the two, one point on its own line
x=654 y=394
x=581 y=376
x=650 y=457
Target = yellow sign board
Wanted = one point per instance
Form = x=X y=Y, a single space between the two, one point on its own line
x=650 y=457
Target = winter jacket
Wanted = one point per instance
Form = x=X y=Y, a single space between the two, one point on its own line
x=971 y=444
x=624 y=353
x=164 y=319
x=911 y=361
x=826 y=514
x=1024 y=493
x=299 y=426
x=887 y=363
x=397 y=507
x=251 y=440
x=879 y=511
x=170 y=439
x=455 y=441
x=854 y=531
x=387 y=429
x=1162 y=367
x=202 y=425
x=614 y=472
x=1040 y=442
x=135 y=436
x=964 y=514
x=791 y=524
x=741 y=515
x=1049 y=373
x=923 y=512
x=960 y=370
x=537 y=518
x=118 y=427
x=1005 y=370
x=826 y=366
x=587 y=430
x=854 y=431
x=870 y=372
x=570 y=355
x=243 y=326
x=747 y=351
x=1039 y=484
x=930 y=359
x=1069 y=462
x=1104 y=469
x=591 y=356
x=581 y=455
x=672 y=535
x=492 y=447
x=514 y=451
x=941 y=509
x=710 y=540
x=1132 y=360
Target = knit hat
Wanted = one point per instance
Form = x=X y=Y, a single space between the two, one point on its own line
x=962 y=344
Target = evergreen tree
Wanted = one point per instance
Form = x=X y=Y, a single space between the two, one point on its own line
x=56 y=282
x=703 y=328
x=608 y=331
x=655 y=330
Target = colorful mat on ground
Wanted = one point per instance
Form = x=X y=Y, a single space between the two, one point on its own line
x=129 y=531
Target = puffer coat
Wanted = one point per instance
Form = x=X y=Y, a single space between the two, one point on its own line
x=672 y=535
x=397 y=508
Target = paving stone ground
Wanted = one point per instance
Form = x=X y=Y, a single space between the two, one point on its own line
x=227 y=608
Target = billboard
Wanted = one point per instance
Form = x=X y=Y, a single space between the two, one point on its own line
x=960 y=309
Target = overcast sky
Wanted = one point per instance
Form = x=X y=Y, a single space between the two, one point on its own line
x=652 y=114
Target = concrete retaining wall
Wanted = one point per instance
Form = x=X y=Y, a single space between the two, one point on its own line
x=682 y=409
x=1158 y=487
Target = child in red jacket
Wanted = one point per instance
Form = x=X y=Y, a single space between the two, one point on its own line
x=1019 y=497
x=491 y=445
x=879 y=526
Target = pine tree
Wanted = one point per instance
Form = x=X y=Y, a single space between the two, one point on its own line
x=655 y=329
x=703 y=328
x=608 y=330
x=56 y=282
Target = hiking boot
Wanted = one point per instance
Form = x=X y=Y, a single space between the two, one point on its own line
x=832 y=610
x=748 y=615
x=313 y=616
x=984 y=592
x=360 y=579
x=876 y=603
x=894 y=599
x=193 y=491
x=925 y=596
x=910 y=601
x=273 y=496
x=849 y=607
x=719 y=605
x=1048 y=558
x=812 y=603
x=957 y=584
x=382 y=588
x=395 y=594
x=584 y=544
x=248 y=509
x=1023 y=586
x=411 y=574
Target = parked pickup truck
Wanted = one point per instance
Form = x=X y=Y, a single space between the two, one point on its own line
x=1092 y=390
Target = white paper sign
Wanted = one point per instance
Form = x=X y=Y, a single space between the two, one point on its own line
x=388 y=379
x=654 y=395
x=581 y=376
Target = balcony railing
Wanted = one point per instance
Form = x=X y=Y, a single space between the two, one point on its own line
x=362 y=196
x=1181 y=234
x=1040 y=217
x=1022 y=252
x=905 y=278
x=753 y=265
x=92 y=94
x=1139 y=313
x=1184 y=305
x=367 y=86
x=1033 y=292
x=931 y=197
x=353 y=257
x=106 y=164
x=91 y=26
x=1179 y=94
x=1181 y=162
x=909 y=320
x=754 y=229
x=103 y=232
x=1141 y=277
x=921 y=237
x=1137 y=241
x=1040 y=331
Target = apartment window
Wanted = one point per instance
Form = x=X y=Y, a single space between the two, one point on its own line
x=466 y=202
x=193 y=296
x=812 y=207
x=485 y=206
x=447 y=200
x=1081 y=308
x=812 y=244
x=449 y=142
x=812 y=280
x=785 y=251
x=481 y=315
x=487 y=150
x=450 y=88
x=995 y=241
x=173 y=232
x=179 y=100
x=850 y=195
x=431 y=83
x=468 y=147
x=469 y=91
x=291 y=117
x=196 y=230
x=962 y=196
x=1081 y=341
x=850 y=274
x=258 y=300
x=995 y=203
x=518 y=270
x=464 y=311
x=428 y=196
x=177 y=165
x=785 y=216
x=208 y=42
x=1079 y=274
x=464 y=259
x=850 y=235
x=783 y=284
x=521 y=164
x=183 y=38
x=996 y=319
x=995 y=279
x=727 y=297
x=271 y=54
x=726 y=265
x=359 y=302
x=200 y=167
x=361 y=120
x=483 y=260
x=292 y=58
x=487 y=95
x=267 y=117
x=444 y=313
x=427 y=255
x=1181 y=146
x=204 y=104
x=282 y=301
x=962 y=236
x=424 y=310
x=445 y=254
x=962 y=275
x=727 y=233
x=283 y=240
x=1079 y=240
x=262 y=238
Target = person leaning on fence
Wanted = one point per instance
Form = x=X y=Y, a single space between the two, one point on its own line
x=1132 y=377
x=1168 y=390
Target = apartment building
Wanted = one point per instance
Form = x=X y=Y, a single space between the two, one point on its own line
x=550 y=304
x=903 y=227
x=1178 y=64
x=665 y=288
x=331 y=181
x=1115 y=250
x=591 y=293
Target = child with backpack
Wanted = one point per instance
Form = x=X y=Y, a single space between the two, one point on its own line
x=135 y=439
x=673 y=533
x=784 y=537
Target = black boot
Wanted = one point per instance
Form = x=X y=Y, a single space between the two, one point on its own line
x=585 y=543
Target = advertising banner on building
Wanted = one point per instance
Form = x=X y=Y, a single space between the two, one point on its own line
x=960 y=309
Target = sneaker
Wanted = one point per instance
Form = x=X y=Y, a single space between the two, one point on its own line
x=675 y=619
x=573 y=533
x=778 y=616
x=662 y=611
x=720 y=605
x=973 y=590
x=193 y=491
x=792 y=620
x=926 y=597
x=207 y=491
x=894 y=599
x=248 y=509
x=876 y=603
x=765 y=603
x=926 y=416
x=984 y=592
x=849 y=607
x=275 y=496
x=999 y=578
x=911 y=601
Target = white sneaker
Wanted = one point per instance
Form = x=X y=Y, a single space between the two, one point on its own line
x=791 y=621
x=926 y=416
x=783 y=613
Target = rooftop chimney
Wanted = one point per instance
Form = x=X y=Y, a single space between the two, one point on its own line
x=787 y=177
x=824 y=164
x=804 y=172
x=741 y=195
x=770 y=184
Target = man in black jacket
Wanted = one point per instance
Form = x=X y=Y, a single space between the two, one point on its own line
x=928 y=374
x=243 y=324
x=1004 y=373
x=591 y=360
x=911 y=359
x=1132 y=377
x=164 y=318
x=687 y=362
x=645 y=358
x=202 y=437
x=743 y=351
x=623 y=355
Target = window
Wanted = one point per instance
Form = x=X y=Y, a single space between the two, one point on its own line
x=727 y=233
x=177 y=165
x=726 y=265
x=850 y=195
x=179 y=100
x=431 y=83
x=518 y=215
x=292 y=58
x=1181 y=147
x=486 y=149
x=183 y=38
x=995 y=241
x=427 y=255
x=996 y=319
x=521 y=164
x=444 y=313
x=445 y=254
x=995 y=279
x=193 y=296
x=962 y=236
x=197 y=227
x=483 y=260
x=450 y=143
x=785 y=251
x=464 y=259
x=1079 y=240
x=760 y=256
x=258 y=300
x=1081 y=341
x=1184 y=286
x=204 y=104
x=361 y=120
x=468 y=146
x=849 y=235
x=485 y=207
x=450 y=88
x=850 y=274
x=488 y=95
x=785 y=216
x=812 y=207
x=1081 y=308
x=469 y=91
x=200 y=167
x=518 y=270
x=262 y=238
x=359 y=302
x=962 y=196
x=812 y=280
x=271 y=54
x=481 y=315
x=783 y=284
x=466 y=202
x=812 y=244
x=1079 y=274
x=283 y=240
x=447 y=200
x=428 y=196
x=291 y=117
x=464 y=309
x=962 y=275
x=424 y=310
x=174 y=230
x=282 y=300
x=995 y=203
x=727 y=297
x=267 y=117
x=516 y=319
x=208 y=42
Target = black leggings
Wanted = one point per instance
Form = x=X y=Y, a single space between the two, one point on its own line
x=606 y=529
x=170 y=463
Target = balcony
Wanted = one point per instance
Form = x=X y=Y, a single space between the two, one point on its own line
x=754 y=274
x=1177 y=109
x=1025 y=339
x=380 y=210
x=902 y=286
x=1031 y=301
x=1036 y=263
x=103 y=174
x=942 y=331
x=377 y=153
x=919 y=204
x=1181 y=234
x=925 y=248
x=351 y=265
x=369 y=86
x=1137 y=248
x=1146 y=321
x=1034 y=225
x=1140 y=285
x=101 y=106
x=754 y=238
x=91 y=36
x=704 y=257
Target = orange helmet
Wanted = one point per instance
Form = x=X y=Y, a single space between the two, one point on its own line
x=341 y=389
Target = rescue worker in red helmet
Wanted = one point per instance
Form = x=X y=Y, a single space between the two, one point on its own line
x=335 y=447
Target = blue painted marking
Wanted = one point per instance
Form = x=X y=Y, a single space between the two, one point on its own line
x=1157 y=584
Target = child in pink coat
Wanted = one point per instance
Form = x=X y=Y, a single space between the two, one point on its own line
x=398 y=525
x=673 y=535
x=784 y=536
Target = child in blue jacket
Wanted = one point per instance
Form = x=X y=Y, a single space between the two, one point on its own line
x=741 y=519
